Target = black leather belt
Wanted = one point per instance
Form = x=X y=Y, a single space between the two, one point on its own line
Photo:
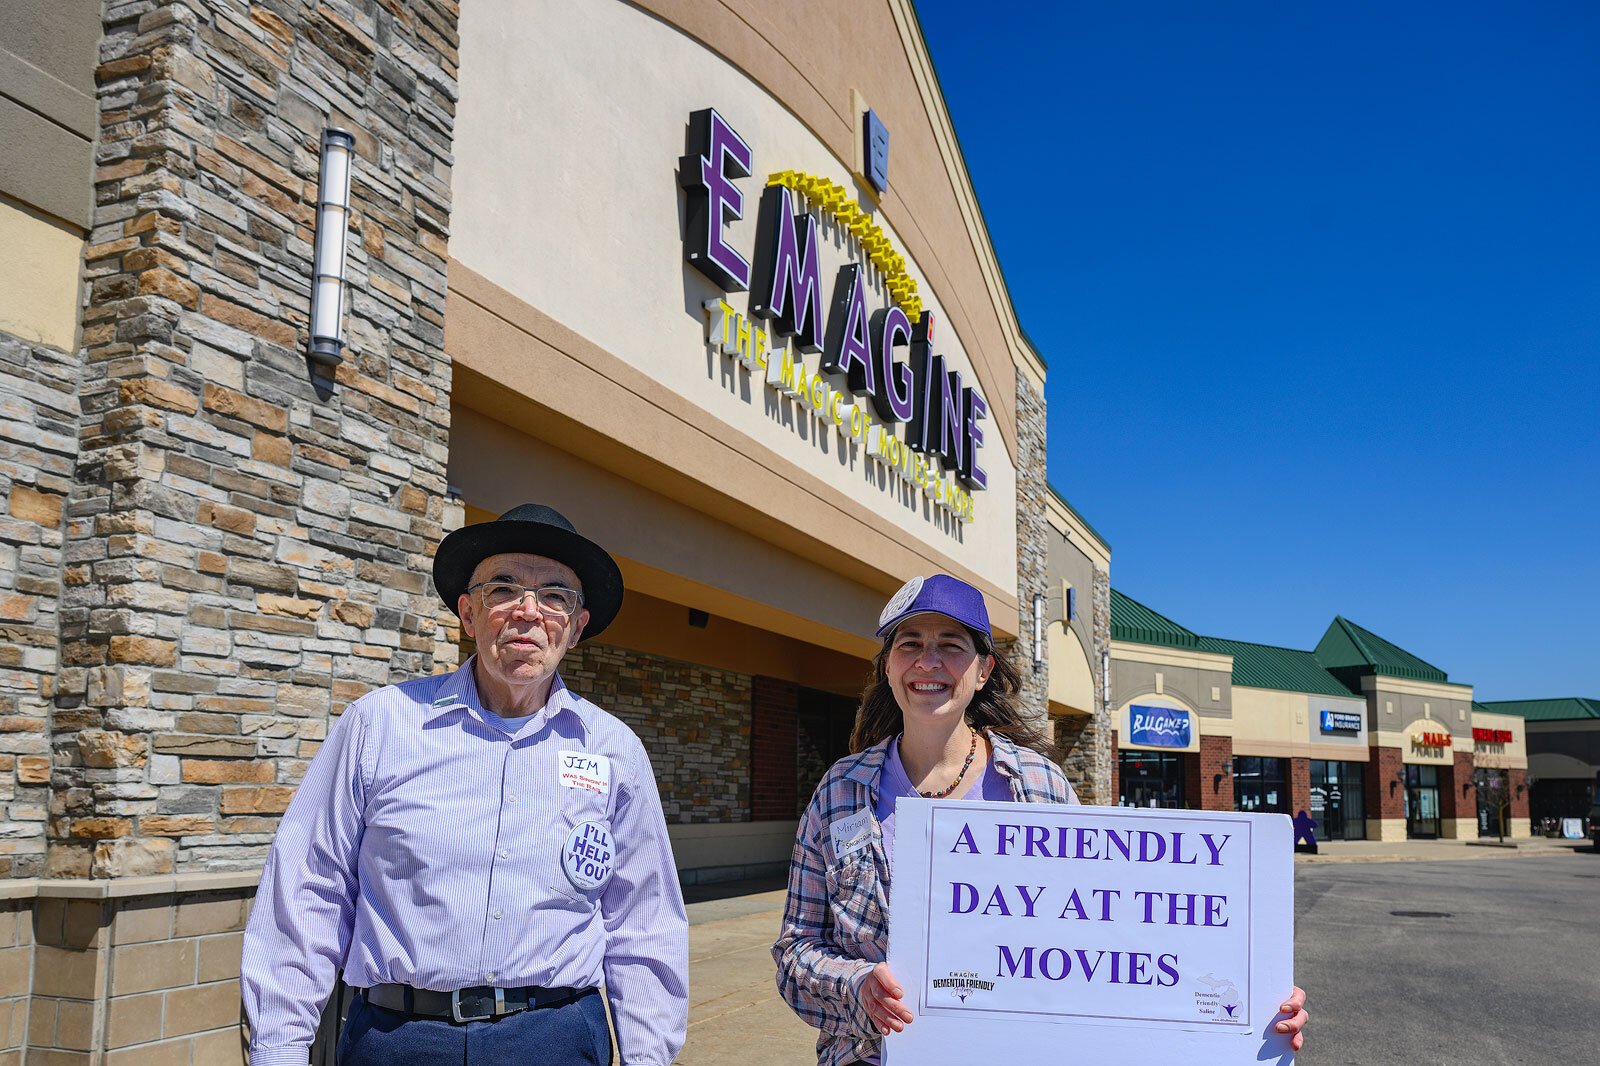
x=480 y=1003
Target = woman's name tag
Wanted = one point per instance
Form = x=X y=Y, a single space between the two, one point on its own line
x=850 y=834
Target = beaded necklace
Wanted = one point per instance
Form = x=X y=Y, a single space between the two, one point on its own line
x=971 y=752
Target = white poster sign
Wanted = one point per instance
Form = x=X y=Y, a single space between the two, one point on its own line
x=1028 y=929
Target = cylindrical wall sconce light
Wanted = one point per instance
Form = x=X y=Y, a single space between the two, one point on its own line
x=327 y=270
x=1038 y=630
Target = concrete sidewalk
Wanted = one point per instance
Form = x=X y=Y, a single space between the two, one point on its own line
x=1436 y=850
x=735 y=1013
x=736 y=1016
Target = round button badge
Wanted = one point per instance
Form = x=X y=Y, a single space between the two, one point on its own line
x=900 y=601
x=588 y=855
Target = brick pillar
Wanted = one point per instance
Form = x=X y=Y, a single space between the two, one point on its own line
x=1194 y=792
x=1518 y=822
x=1458 y=800
x=1212 y=774
x=774 y=737
x=1386 y=804
x=247 y=542
x=1300 y=788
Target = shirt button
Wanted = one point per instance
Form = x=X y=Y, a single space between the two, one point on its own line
x=504 y=854
x=489 y=976
x=511 y=798
x=497 y=915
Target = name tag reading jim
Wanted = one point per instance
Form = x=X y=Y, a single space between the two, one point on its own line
x=580 y=769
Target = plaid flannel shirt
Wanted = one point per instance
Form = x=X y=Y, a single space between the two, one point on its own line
x=836 y=918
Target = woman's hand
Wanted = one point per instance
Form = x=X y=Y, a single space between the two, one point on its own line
x=880 y=996
x=1295 y=1008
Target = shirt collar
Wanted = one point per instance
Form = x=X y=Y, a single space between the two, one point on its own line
x=867 y=767
x=1006 y=759
x=460 y=692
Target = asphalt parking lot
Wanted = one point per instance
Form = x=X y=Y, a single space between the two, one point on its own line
x=1489 y=962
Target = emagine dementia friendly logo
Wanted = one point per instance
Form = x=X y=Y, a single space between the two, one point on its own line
x=963 y=983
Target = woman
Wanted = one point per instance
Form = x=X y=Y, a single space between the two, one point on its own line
x=939 y=720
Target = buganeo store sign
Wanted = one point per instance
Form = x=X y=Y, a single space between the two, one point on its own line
x=865 y=361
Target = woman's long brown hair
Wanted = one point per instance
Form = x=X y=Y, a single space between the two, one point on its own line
x=994 y=706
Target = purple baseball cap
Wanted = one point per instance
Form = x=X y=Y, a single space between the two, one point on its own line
x=940 y=594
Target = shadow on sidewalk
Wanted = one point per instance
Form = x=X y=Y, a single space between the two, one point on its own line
x=728 y=889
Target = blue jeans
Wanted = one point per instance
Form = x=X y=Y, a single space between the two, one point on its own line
x=573 y=1034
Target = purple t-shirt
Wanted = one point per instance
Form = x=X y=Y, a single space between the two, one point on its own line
x=893 y=783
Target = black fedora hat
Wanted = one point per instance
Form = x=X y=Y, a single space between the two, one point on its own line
x=532 y=529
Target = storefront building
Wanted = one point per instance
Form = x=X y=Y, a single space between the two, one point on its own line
x=1563 y=740
x=1371 y=741
x=729 y=304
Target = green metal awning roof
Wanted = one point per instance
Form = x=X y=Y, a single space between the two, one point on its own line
x=1346 y=645
x=1284 y=669
x=1553 y=710
x=1133 y=621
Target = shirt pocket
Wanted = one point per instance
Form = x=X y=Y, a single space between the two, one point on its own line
x=580 y=805
x=857 y=897
x=585 y=805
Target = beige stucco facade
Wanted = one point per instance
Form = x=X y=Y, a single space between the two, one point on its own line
x=1279 y=724
x=574 y=318
x=1079 y=560
x=589 y=373
x=39 y=278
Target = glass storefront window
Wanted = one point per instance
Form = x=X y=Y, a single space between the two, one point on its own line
x=1338 y=799
x=1150 y=779
x=1422 y=802
x=1259 y=785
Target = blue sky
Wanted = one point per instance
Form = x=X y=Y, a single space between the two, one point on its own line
x=1319 y=290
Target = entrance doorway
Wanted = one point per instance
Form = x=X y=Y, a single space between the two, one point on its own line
x=1422 y=802
x=823 y=722
x=1150 y=779
x=1338 y=802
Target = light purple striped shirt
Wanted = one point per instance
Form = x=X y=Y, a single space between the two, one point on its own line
x=423 y=848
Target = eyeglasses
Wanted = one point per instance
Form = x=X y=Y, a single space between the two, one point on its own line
x=552 y=599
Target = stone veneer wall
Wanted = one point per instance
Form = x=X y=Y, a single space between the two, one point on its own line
x=694 y=721
x=1087 y=743
x=1033 y=547
x=38 y=450
x=246 y=545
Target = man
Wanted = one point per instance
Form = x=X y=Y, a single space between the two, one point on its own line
x=478 y=850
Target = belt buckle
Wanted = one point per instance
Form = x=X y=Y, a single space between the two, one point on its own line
x=495 y=1011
